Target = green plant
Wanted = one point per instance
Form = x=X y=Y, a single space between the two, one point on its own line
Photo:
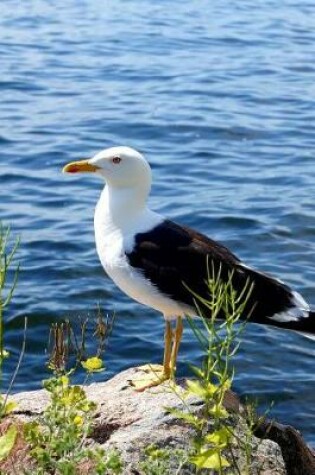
x=162 y=461
x=105 y=463
x=7 y=440
x=57 y=439
x=6 y=287
x=67 y=344
x=215 y=439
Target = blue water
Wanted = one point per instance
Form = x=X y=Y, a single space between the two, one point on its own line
x=220 y=96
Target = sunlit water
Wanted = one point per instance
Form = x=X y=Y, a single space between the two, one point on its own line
x=221 y=99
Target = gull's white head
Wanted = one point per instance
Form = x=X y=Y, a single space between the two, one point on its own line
x=121 y=167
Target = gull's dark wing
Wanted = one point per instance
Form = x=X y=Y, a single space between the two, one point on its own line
x=176 y=258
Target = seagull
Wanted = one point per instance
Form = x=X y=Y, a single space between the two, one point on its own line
x=165 y=265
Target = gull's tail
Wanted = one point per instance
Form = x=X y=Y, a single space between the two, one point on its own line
x=295 y=319
x=308 y=325
x=304 y=321
x=274 y=303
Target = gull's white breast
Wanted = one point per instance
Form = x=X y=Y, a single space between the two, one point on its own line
x=112 y=244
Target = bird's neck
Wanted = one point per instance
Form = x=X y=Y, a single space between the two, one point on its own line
x=121 y=207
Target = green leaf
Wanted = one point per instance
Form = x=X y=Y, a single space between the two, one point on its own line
x=219 y=412
x=227 y=384
x=211 y=459
x=5 y=354
x=204 y=391
x=9 y=407
x=7 y=441
x=195 y=388
x=32 y=433
x=50 y=384
x=185 y=416
x=220 y=437
x=198 y=372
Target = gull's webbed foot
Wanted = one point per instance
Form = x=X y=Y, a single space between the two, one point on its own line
x=149 y=376
x=153 y=374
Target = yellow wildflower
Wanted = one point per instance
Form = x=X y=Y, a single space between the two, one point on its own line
x=93 y=364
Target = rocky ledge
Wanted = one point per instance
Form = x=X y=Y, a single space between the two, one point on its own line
x=130 y=421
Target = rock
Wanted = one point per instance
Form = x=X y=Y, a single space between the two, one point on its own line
x=130 y=421
x=299 y=459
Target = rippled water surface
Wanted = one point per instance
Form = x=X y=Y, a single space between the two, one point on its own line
x=220 y=96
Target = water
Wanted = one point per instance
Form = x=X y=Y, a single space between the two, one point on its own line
x=221 y=99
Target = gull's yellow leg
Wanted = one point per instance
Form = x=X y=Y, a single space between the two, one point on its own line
x=168 y=337
x=153 y=375
x=178 y=337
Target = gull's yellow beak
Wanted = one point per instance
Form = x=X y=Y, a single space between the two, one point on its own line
x=82 y=166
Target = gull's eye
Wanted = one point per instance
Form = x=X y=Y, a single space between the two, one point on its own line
x=116 y=160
